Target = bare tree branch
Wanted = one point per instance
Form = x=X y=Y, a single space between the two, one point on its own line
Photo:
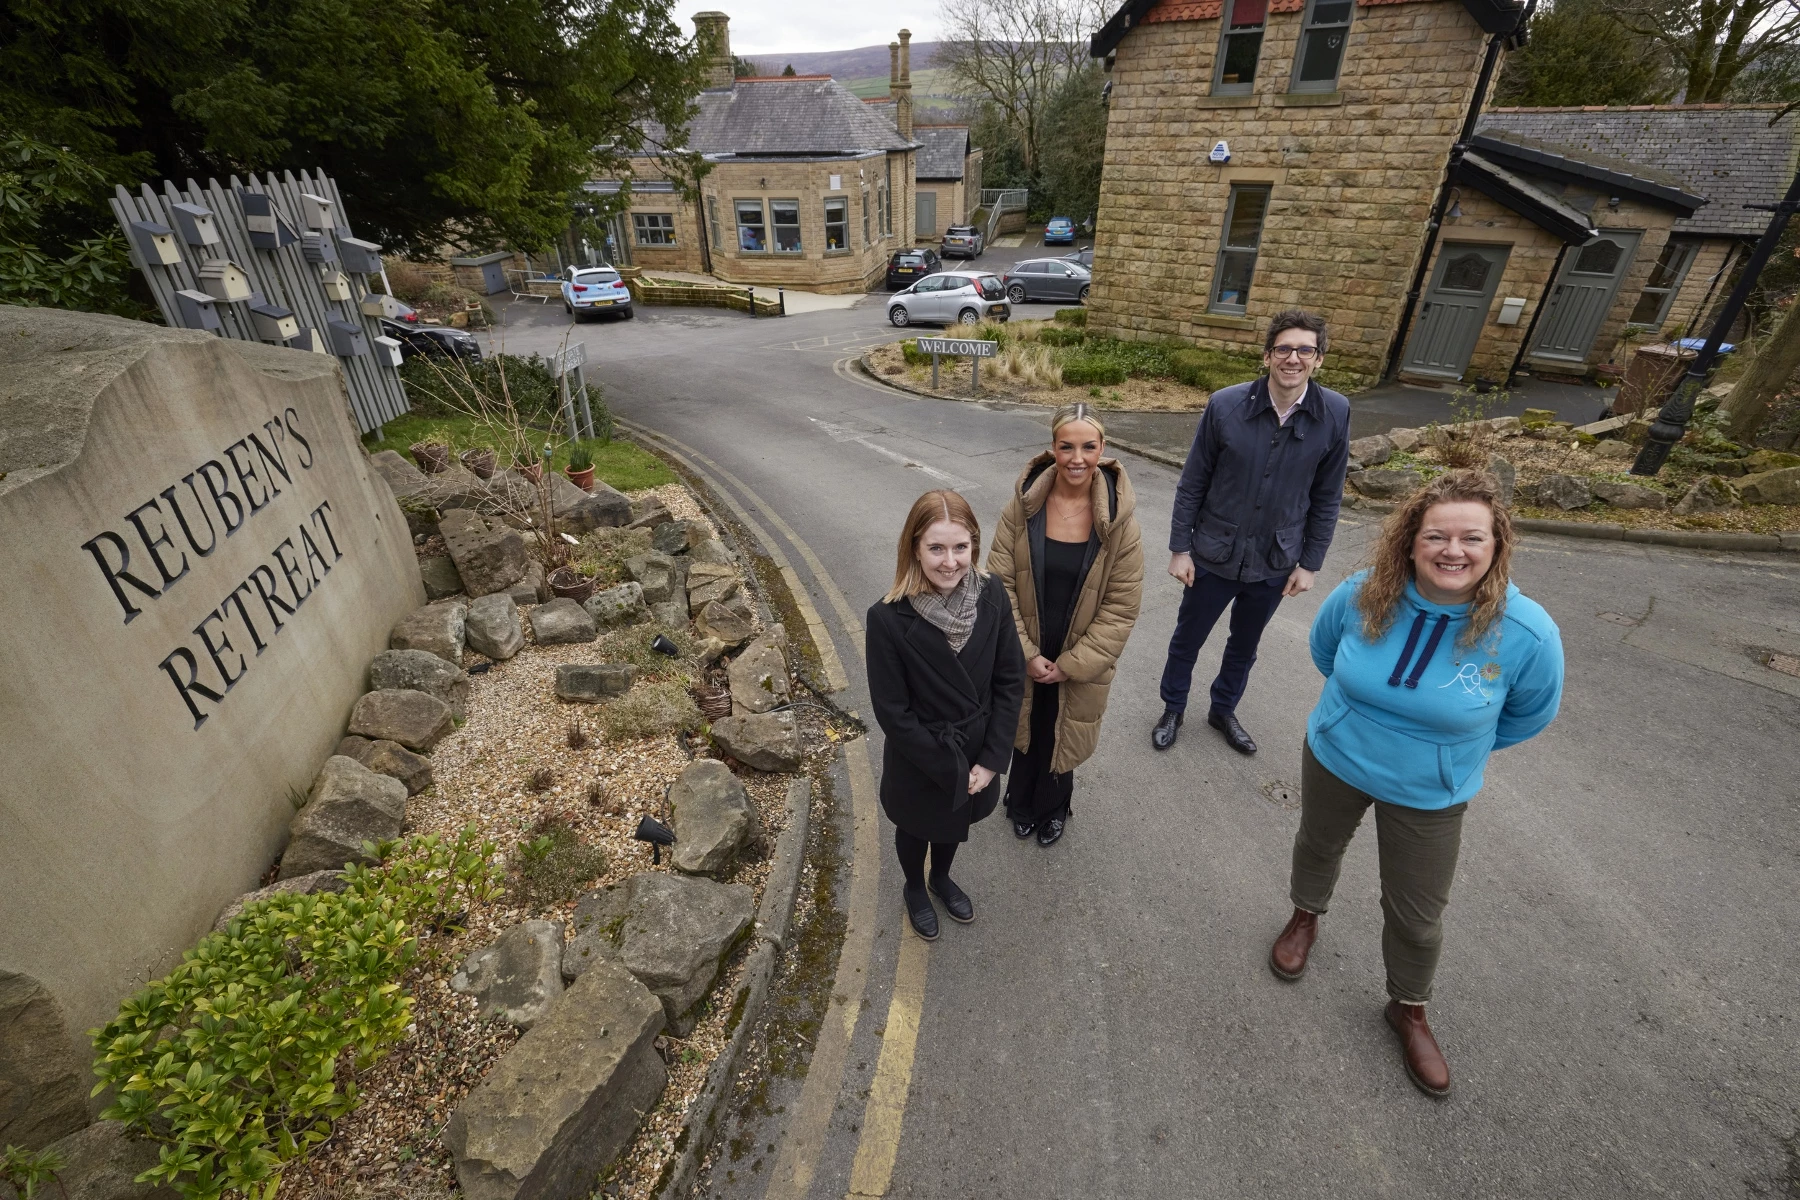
x=1013 y=54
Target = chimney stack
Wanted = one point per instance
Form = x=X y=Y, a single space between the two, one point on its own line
x=713 y=31
x=901 y=85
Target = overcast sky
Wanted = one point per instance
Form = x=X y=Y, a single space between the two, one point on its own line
x=794 y=26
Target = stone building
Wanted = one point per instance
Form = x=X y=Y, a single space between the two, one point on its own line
x=949 y=179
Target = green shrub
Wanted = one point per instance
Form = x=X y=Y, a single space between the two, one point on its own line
x=29 y=1172
x=603 y=552
x=1211 y=369
x=240 y=1059
x=915 y=357
x=1091 y=370
x=650 y=709
x=440 y=387
x=990 y=331
x=1072 y=316
x=554 y=865
x=1055 y=335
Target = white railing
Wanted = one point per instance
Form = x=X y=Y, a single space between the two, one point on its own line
x=999 y=202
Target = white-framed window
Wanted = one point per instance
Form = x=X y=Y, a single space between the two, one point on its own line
x=1240 y=47
x=1322 y=37
x=837 y=223
x=1666 y=276
x=654 y=229
x=865 y=215
x=1238 y=246
x=753 y=235
x=712 y=219
x=784 y=215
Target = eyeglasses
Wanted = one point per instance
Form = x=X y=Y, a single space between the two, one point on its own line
x=1303 y=353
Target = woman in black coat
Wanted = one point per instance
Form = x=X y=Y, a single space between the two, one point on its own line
x=946 y=678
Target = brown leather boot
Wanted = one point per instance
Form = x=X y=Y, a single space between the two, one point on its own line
x=1424 y=1061
x=1288 y=957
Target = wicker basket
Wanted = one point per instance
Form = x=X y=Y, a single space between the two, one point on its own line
x=714 y=702
x=568 y=584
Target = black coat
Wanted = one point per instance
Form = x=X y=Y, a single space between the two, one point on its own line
x=942 y=711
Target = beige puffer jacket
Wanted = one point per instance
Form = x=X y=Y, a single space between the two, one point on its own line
x=1105 y=609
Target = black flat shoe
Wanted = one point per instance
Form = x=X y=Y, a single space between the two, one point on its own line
x=956 y=901
x=1235 y=737
x=920 y=913
x=1024 y=829
x=1050 y=832
x=1163 y=736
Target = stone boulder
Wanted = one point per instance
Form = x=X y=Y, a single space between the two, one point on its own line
x=348 y=805
x=671 y=931
x=391 y=759
x=768 y=741
x=561 y=1105
x=1370 y=451
x=717 y=621
x=417 y=720
x=1380 y=483
x=493 y=626
x=437 y=628
x=708 y=650
x=589 y=682
x=102 y=1162
x=671 y=616
x=622 y=605
x=562 y=622
x=676 y=537
x=489 y=556
x=1758 y=461
x=759 y=676
x=518 y=977
x=1780 y=486
x=1709 y=494
x=300 y=885
x=438 y=573
x=1614 y=450
x=43 y=1086
x=579 y=511
x=1506 y=475
x=711 y=550
x=709 y=583
x=711 y=815
x=403 y=478
x=657 y=574
x=421 y=671
x=1405 y=440
x=648 y=511
x=1563 y=491
x=532 y=589
x=1629 y=495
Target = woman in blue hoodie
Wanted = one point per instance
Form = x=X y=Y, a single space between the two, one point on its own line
x=1432 y=660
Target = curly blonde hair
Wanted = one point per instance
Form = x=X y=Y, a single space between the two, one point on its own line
x=1391 y=565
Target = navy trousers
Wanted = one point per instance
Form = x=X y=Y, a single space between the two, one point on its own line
x=1252 y=604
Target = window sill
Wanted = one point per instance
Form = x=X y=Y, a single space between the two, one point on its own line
x=1249 y=101
x=1308 y=99
x=839 y=253
x=1224 y=321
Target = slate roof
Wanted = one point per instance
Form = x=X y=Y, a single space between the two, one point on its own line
x=945 y=149
x=792 y=116
x=1573 y=164
x=1524 y=197
x=1726 y=153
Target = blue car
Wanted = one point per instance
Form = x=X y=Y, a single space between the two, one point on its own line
x=1059 y=230
x=595 y=290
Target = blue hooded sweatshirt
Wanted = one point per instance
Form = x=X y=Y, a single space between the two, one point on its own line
x=1412 y=718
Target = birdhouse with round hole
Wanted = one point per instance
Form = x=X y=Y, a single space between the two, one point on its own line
x=273 y=322
x=223 y=279
x=196 y=224
x=316 y=211
x=195 y=311
x=374 y=304
x=155 y=243
x=358 y=256
x=336 y=285
x=317 y=249
x=347 y=340
x=269 y=230
x=387 y=351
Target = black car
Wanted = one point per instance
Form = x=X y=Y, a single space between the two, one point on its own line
x=1083 y=257
x=432 y=339
x=906 y=267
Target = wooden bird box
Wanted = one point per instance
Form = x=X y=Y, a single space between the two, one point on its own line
x=224 y=280
x=387 y=351
x=347 y=340
x=318 y=249
x=309 y=339
x=363 y=258
x=316 y=210
x=336 y=285
x=269 y=230
x=195 y=311
x=273 y=322
x=195 y=221
x=376 y=305
x=155 y=243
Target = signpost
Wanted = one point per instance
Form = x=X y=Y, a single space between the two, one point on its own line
x=958 y=348
x=563 y=364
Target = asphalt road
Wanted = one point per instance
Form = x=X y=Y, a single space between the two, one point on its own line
x=1620 y=986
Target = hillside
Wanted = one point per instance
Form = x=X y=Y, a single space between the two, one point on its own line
x=862 y=63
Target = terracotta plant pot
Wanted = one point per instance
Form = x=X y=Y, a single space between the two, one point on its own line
x=581 y=479
x=533 y=470
x=432 y=457
x=567 y=583
x=1607 y=373
x=480 y=461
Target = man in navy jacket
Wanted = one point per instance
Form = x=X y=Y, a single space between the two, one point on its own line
x=1254 y=514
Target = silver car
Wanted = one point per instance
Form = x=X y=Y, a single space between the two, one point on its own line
x=964 y=241
x=1047 y=279
x=951 y=297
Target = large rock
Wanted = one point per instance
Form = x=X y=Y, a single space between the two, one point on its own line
x=1709 y=494
x=1506 y=426
x=562 y=1104
x=1759 y=461
x=1380 y=483
x=531 y=589
x=102 y=1162
x=422 y=671
x=711 y=550
x=1405 y=439
x=711 y=815
x=767 y=741
x=1506 y=475
x=670 y=616
x=657 y=574
x=518 y=977
x=494 y=628
x=1563 y=491
x=348 y=805
x=1780 y=486
x=438 y=573
x=672 y=537
x=579 y=511
x=1370 y=451
x=391 y=759
x=588 y=682
x=709 y=583
x=438 y=629
x=1614 y=450
x=562 y=622
x=417 y=720
x=489 y=556
x=717 y=621
x=300 y=885
x=672 y=932
x=622 y=605
x=43 y=1093
x=1628 y=495
x=759 y=676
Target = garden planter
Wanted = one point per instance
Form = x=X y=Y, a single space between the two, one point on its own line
x=533 y=470
x=583 y=479
x=480 y=461
x=432 y=457
x=714 y=702
x=568 y=584
x=1607 y=374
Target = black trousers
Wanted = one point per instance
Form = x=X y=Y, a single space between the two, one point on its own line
x=1252 y=604
x=1034 y=792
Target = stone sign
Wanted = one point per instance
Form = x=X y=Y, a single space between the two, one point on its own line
x=199 y=563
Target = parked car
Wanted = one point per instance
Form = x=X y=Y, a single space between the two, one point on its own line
x=951 y=298
x=1082 y=257
x=906 y=266
x=432 y=339
x=964 y=241
x=595 y=290
x=1046 y=279
x=1060 y=230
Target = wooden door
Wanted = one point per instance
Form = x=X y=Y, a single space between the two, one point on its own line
x=1455 y=308
x=1583 y=295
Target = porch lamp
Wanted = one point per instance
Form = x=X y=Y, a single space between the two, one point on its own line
x=1672 y=422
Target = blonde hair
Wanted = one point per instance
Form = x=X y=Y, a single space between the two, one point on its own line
x=1391 y=566
x=940 y=505
x=1075 y=412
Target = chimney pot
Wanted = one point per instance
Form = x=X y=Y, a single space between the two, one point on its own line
x=717 y=27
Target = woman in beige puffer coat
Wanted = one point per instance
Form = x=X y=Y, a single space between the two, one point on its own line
x=1070 y=554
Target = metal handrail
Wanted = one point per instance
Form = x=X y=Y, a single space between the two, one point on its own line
x=999 y=202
